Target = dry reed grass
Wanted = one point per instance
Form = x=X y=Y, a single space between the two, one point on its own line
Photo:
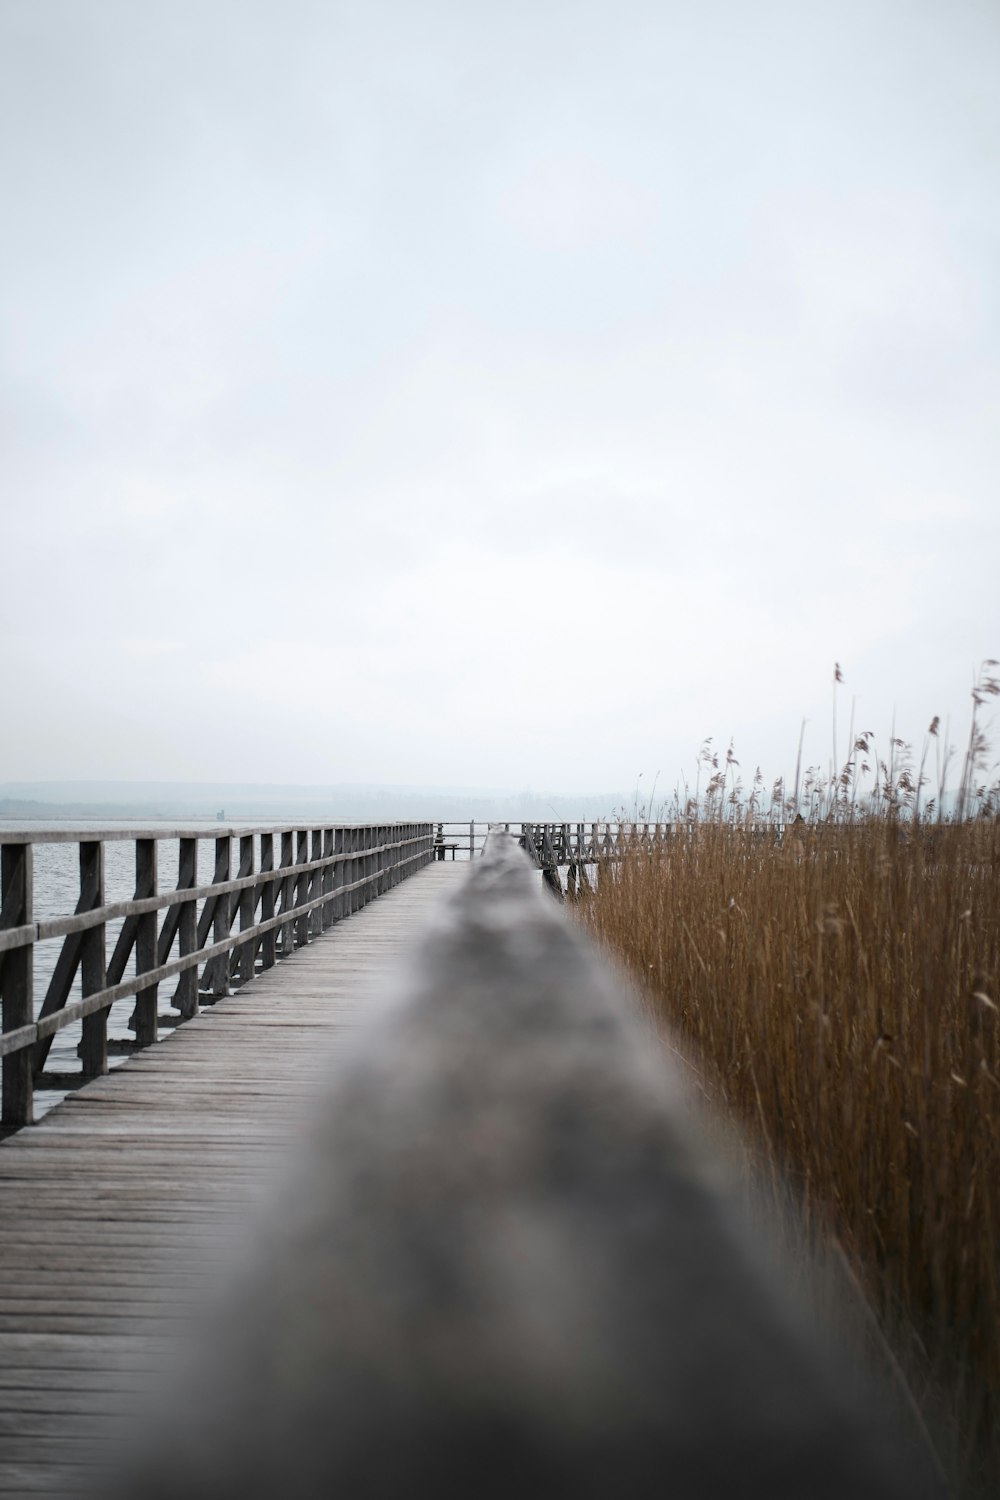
x=836 y=982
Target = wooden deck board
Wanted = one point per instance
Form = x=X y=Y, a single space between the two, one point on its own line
x=107 y=1207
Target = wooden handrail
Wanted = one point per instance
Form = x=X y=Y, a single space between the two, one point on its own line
x=563 y=843
x=325 y=872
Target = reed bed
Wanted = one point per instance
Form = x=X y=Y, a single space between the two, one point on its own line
x=833 y=976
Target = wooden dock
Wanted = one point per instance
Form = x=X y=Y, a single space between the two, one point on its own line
x=109 y=1206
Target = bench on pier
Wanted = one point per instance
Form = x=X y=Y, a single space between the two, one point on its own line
x=442 y=846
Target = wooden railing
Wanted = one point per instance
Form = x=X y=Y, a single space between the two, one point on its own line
x=550 y=844
x=577 y=847
x=290 y=885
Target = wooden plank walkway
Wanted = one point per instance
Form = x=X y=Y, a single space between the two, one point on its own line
x=110 y=1208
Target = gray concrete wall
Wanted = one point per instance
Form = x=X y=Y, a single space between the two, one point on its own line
x=504 y=1268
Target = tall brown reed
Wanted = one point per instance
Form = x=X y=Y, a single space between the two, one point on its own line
x=836 y=981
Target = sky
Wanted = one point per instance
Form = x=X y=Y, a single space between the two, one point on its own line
x=492 y=394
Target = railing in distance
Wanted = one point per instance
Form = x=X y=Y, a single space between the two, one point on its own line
x=292 y=884
x=552 y=843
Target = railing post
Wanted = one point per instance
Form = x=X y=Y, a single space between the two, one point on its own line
x=186 y=994
x=287 y=890
x=216 y=978
x=315 y=918
x=472 y=840
x=339 y=875
x=16 y=971
x=347 y=902
x=93 y=962
x=329 y=916
x=147 y=1000
x=358 y=896
x=269 y=940
x=301 y=925
x=248 y=903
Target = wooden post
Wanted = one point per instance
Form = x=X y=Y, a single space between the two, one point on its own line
x=339 y=874
x=315 y=918
x=301 y=925
x=146 y=1001
x=216 y=978
x=269 y=940
x=287 y=891
x=245 y=953
x=376 y=886
x=16 y=982
x=472 y=840
x=328 y=872
x=186 y=994
x=350 y=843
x=366 y=866
x=93 y=961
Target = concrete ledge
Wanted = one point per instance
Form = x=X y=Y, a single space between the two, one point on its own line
x=504 y=1269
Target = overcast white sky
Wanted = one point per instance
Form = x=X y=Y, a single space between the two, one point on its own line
x=492 y=394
